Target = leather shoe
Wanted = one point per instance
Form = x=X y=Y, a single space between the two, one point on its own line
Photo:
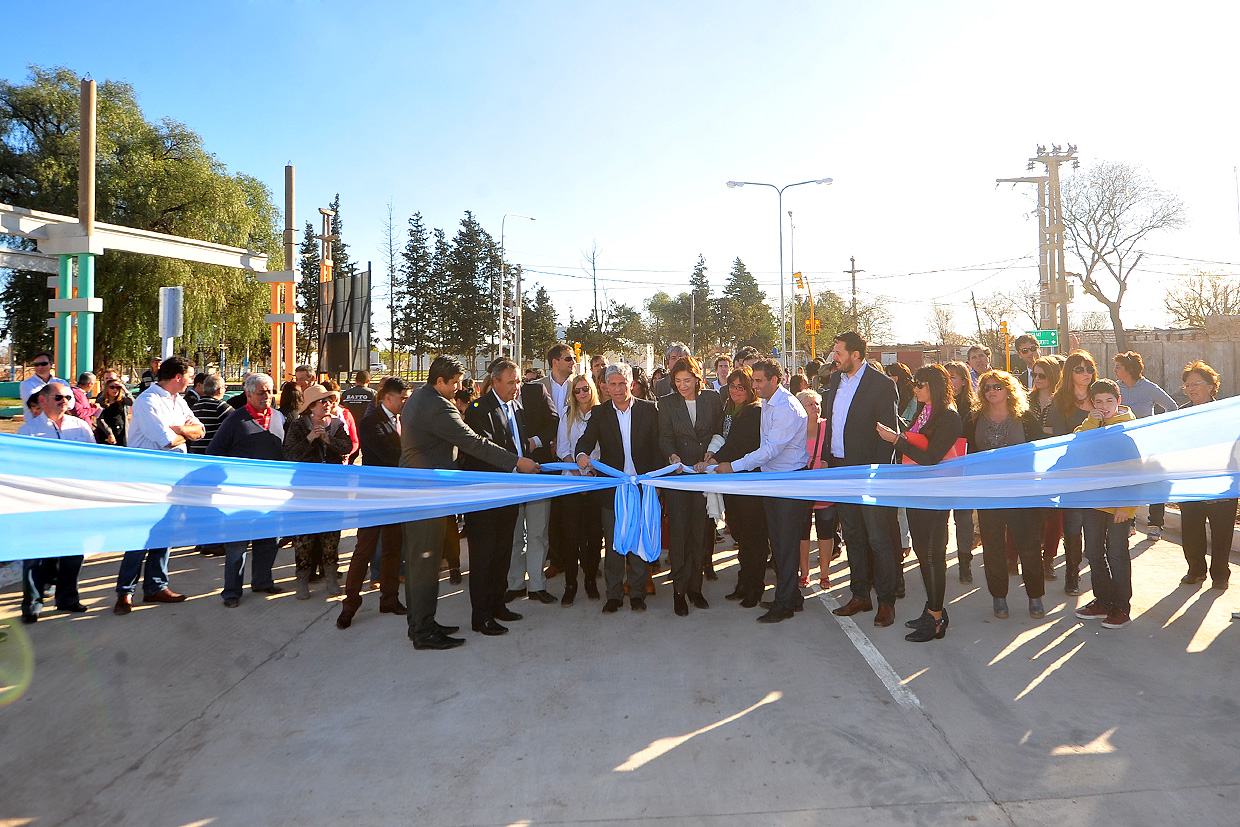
x=570 y=594
x=776 y=615
x=592 y=589
x=737 y=594
x=392 y=607
x=709 y=574
x=234 y=602
x=852 y=607
x=886 y=616
x=770 y=604
x=698 y=601
x=124 y=604
x=507 y=616
x=490 y=629
x=1192 y=579
x=30 y=617
x=268 y=590
x=545 y=597
x=163 y=596
x=347 y=610
x=679 y=606
x=447 y=630
x=76 y=607
x=637 y=605
x=612 y=606
x=438 y=640
x=750 y=600
x=513 y=594
x=454 y=576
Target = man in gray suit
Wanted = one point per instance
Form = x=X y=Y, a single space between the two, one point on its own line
x=431 y=433
x=674 y=351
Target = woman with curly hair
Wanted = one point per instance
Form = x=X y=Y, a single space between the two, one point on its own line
x=1001 y=419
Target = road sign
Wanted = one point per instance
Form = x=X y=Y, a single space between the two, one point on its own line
x=1046 y=338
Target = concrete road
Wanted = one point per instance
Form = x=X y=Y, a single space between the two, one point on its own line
x=267 y=714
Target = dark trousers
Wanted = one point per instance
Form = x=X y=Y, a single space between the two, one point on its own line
x=784 y=519
x=392 y=536
x=581 y=519
x=871 y=533
x=686 y=517
x=1073 y=522
x=490 y=552
x=1220 y=514
x=614 y=562
x=265 y=551
x=423 y=546
x=451 y=542
x=747 y=522
x=928 y=530
x=1158 y=512
x=1023 y=522
x=1110 y=566
x=36 y=575
x=963 y=520
x=560 y=548
x=1052 y=531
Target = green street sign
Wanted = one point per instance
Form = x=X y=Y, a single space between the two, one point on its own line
x=1046 y=338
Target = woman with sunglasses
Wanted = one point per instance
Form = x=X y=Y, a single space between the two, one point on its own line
x=741 y=434
x=1201 y=385
x=115 y=402
x=1045 y=373
x=583 y=512
x=1072 y=404
x=935 y=418
x=962 y=519
x=999 y=420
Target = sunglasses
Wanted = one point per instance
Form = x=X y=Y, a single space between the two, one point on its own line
x=41 y=364
x=920 y=384
x=1031 y=349
x=59 y=397
x=1039 y=376
x=989 y=388
x=1082 y=369
x=114 y=387
x=581 y=390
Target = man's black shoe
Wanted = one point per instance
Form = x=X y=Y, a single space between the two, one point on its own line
x=513 y=594
x=591 y=589
x=490 y=629
x=750 y=600
x=438 y=640
x=570 y=594
x=737 y=594
x=447 y=630
x=770 y=604
x=637 y=604
x=543 y=597
x=776 y=615
x=454 y=576
x=612 y=606
x=507 y=616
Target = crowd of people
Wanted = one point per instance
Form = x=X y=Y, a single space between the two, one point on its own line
x=846 y=410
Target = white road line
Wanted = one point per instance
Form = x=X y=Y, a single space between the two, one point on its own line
x=890 y=678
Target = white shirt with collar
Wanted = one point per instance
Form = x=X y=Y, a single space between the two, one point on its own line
x=844 y=394
x=155 y=411
x=71 y=428
x=625 y=419
x=784 y=423
x=33 y=383
x=511 y=416
x=559 y=394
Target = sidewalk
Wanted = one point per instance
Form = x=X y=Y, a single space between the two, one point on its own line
x=194 y=714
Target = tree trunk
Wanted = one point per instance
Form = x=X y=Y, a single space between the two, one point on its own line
x=1121 y=335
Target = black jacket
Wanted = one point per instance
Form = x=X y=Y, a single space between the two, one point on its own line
x=380 y=442
x=875 y=401
x=485 y=416
x=679 y=435
x=240 y=436
x=745 y=435
x=603 y=430
x=538 y=419
x=943 y=429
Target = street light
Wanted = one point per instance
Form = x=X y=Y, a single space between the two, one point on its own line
x=783 y=314
x=503 y=294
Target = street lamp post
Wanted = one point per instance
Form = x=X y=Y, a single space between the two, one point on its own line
x=783 y=309
x=792 y=268
x=503 y=294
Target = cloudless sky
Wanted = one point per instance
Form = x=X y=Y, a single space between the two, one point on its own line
x=618 y=124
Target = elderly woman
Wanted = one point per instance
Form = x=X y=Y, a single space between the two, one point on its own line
x=1071 y=407
x=746 y=514
x=823 y=517
x=317 y=434
x=583 y=512
x=1201 y=386
x=939 y=425
x=1000 y=420
x=688 y=417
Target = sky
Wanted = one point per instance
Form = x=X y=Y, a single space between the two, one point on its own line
x=617 y=125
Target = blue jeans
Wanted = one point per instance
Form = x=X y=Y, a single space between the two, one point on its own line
x=234 y=565
x=1110 y=566
x=156 y=571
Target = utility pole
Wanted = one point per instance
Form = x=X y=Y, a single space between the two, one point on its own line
x=692 y=315
x=977 y=317
x=854 y=271
x=1052 y=277
x=792 y=265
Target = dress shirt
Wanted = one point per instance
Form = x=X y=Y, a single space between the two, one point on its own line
x=625 y=418
x=155 y=411
x=559 y=394
x=31 y=384
x=839 y=408
x=511 y=416
x=71 y=428
x=393 y=418
x=784 y=423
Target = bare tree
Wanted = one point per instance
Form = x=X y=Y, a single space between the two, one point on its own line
x=1089 y=320
x=1109 y=210
x=1026 y=302
x=589 y=265
x=390 y=250
x=1202 y=294
x=941 y=322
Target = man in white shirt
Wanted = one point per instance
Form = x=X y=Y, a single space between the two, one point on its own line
x=723 y=366
x=161 y=421
x=563 y=365
x=53 y=422
x=43 y=374
x=784 y=424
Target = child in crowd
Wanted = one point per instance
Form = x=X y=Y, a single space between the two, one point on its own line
x=1106 y=529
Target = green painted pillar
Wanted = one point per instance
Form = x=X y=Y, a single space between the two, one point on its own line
x=64 y=323
x=85 y=318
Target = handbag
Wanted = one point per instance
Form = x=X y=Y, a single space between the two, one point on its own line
x=923 y=442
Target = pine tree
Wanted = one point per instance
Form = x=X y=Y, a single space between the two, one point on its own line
x=473 y=283
x=748 y=317
x=538 y=324
x=308 y=293
x=704 y=332
x=416 y=312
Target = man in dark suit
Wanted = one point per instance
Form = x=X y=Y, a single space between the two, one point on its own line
x=858 y=398
x=539 y=424
x=675 y=351
x=563 y=368
x=378 y=434
x=1028 y=350
x=497 y=417
x=431 y=434
x=626 y=431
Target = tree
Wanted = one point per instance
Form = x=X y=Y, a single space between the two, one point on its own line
x=704 y=333
x=668 y=319
x=941 y=322
x=472 y=288
x=538 y=323
x=419 y=306
x=1108 y=211
x=307 y=298
x=149 y=176
x=1200 y=295
x=748 y=316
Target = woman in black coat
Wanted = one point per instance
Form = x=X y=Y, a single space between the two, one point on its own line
x=937 y=421
x=742 y=434
x=689 y=417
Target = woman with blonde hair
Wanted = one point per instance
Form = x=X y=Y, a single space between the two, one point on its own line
x=1000 y=419
x=583 y=512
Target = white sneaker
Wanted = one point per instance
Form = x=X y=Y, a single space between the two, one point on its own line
x=1154 y=532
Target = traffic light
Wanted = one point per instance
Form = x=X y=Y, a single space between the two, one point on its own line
x=813 y=325
x=799 y=281
x=577 y=349
x=1003 y=328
